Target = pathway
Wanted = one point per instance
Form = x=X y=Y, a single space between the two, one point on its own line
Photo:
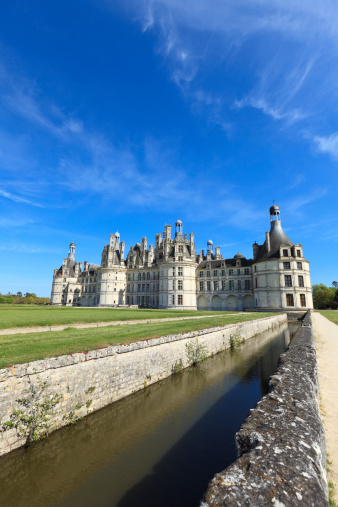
x=326 y=336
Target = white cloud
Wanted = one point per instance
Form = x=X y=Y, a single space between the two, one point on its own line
x=328 y=144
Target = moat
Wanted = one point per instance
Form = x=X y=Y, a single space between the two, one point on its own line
x=160 y=446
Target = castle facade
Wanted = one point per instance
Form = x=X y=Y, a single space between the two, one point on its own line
x=173 y=276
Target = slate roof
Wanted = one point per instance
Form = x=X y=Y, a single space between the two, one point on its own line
x=277 y=239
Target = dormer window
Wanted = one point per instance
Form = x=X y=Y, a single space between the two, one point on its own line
x=285 y=252
x=299 y=253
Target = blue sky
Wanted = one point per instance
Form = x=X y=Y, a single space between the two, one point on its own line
x=131 y=114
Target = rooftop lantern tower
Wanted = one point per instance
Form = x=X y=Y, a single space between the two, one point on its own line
x=178 y=228
x=71 y=253
x=117 y=240
x=210 y=245
x=275 y=221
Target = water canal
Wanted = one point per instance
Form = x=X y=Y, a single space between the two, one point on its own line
x=159 y=447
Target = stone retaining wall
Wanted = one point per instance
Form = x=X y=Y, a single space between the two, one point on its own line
x=281 y=445
x=94 y=379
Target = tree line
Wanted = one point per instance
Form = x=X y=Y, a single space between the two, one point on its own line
x=30 y=298
x=325 y=297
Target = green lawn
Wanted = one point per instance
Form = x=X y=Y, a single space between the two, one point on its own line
x=23 y=348
x=34 y=315
x=330 y=314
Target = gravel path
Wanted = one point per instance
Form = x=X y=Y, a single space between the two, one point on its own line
x=43 y=329
x=326 y=336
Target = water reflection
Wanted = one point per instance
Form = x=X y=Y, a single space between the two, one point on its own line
x=160 y=446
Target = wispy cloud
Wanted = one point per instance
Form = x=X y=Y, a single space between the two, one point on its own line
x=18 y=199
x=290 y=77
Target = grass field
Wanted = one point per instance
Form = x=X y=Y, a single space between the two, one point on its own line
x=330 y=314
x=23 y=348
x=24 y=315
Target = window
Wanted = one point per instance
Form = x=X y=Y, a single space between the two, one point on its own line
x=143 y=287
x=180 y=271
x=180 y=299
x=289 y=300
x=180 y=285
x=256 y=283
x=223 y=272
x=231 y=272
x=133 y=276
x=172 y=299
x=147 y=287
x=302 y=300
x=247 y=284
x=139 y=276
x=139 y=288
x=231 y=285
x=239 y=285
x=208 y=285
x=299 y=255
x=288 y=281
x=173 y=284
x=215 y=272
x=208 y=273
x=215 y=285
x=143 y=276
x=129 y=277
x=255 y=271
x=180 y=258
x=285 y=252
x=148 y=276
x=286 y=265
x=64 y=279
x=173 y=271
x=238 y=271
x=223 y=285
x=180 y=248
x=300 y=281
x=246 y=271
x=201 y=274
x=299 y=265
x=201 y=285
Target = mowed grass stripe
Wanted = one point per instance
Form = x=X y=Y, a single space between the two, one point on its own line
x=330 y=314
x=33 y=316
x=24 y=348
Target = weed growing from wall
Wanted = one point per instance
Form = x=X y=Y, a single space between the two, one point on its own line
x=73 y=417
x=32 y=420
x=177 y=367
x=196 y=352
x=236 y=339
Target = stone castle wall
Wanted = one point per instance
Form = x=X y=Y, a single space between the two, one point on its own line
x=92 y=380
x=281 y=445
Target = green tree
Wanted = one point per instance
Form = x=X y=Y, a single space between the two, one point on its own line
x=323 y=296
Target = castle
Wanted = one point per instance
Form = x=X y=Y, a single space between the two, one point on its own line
x=173 y=276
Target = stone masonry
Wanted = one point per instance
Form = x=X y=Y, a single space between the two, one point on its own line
x=91 y=380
